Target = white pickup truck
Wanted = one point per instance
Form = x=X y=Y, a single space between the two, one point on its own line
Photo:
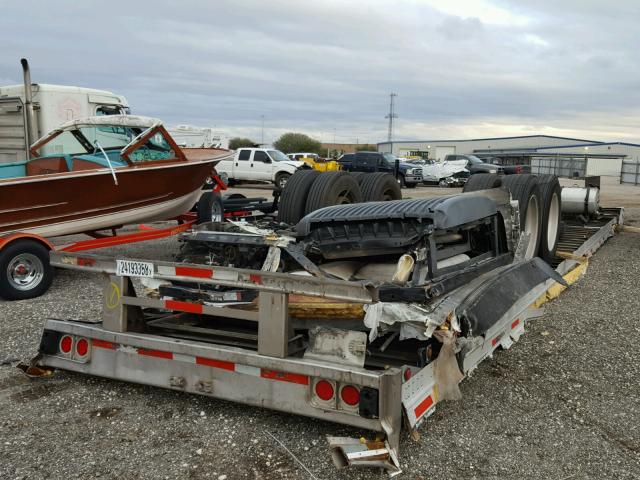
x=259 y=164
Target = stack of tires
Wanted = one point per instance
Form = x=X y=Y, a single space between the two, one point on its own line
x=310 y=190
x=538 y=198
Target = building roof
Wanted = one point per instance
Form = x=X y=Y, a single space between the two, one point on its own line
x=589 y=142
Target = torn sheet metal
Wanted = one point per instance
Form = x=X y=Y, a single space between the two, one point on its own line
x=345 y=347
x=379 y=316
x=363 y=453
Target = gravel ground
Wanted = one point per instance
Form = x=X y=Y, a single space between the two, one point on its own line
x=562 y=403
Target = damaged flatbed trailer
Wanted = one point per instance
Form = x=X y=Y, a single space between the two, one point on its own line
x=304 y=344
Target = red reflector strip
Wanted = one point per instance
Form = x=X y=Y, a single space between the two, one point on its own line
x=515 y=323
x=285 y=377
x=216 y=363
x=423 y=407
x=103 y=344
x=85 y=262
x=183 y=306
x=193 y=272
x=494 y=341
x=155 y=353
x=256 y=278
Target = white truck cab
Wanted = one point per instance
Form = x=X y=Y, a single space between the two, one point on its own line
x=259 y=164
x=52 y=105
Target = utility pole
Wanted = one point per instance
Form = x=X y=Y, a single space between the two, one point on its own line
x=262 y=132
x=391 y=115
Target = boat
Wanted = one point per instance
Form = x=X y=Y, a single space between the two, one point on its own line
x=101 y=173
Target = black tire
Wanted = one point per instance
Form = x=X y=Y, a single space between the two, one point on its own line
x=35 y=258
x=360 y=176
x=210 y=208
x=551 y=198
x=482 y=181
x=294 y=196
x=380 y=187
x=333 y=188
x=524 y=188
x=281 y=180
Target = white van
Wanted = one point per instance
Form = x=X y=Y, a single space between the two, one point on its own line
x=259 y=164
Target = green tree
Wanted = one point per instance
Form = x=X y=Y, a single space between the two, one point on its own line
x=238 y=142
x=367 y=147
x=297 y=142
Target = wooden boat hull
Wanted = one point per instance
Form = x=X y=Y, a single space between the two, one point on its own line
x=83 y=201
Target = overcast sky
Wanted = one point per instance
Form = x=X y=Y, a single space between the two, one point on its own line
x=461 y=68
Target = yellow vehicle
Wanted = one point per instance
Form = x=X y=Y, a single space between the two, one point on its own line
x=315 y=161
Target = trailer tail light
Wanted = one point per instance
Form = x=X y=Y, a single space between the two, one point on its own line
x=324 y=390
x=76 y=348
x=350 y=395
x=66 y=344
x=82 y=347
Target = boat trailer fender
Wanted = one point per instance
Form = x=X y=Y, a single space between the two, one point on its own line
x=7 y=239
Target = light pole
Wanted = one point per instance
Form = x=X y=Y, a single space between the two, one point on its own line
x=262 y=132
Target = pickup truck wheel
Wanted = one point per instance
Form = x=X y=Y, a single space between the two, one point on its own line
x=550 y=193
x=333 y=188
x=210 y=208
x=410 y=185
x=281 y=180
x=25 y=271
x=482 y=181
x=525 y=189
x=380 y=187
x=294 y=196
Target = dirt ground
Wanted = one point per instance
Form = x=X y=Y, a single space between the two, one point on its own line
x=562 y=403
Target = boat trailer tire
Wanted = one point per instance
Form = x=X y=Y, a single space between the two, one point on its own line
x=380 y=187
x=333 y=188
x=281 y=180
x=25 y=271
x=482 y=181
x=210 y=208
x=524 y=188
x=294 y=196
x=550 y=194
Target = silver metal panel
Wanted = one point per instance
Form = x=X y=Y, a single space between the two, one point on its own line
x=273 y=328
x=630 y=172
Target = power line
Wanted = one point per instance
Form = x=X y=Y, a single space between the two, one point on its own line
x=391 y=115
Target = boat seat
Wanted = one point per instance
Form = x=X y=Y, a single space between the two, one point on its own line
x=47 y=165
x=12 y=170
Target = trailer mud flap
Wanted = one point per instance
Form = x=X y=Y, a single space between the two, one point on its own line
x=486 y=305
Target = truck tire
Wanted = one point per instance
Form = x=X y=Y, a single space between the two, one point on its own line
x=294 y=196
x=281 y=180
x=482 y=181
x=25 y=271
x=551 y=201
x=380 y=187
x=333 y=188
x=524 y=188
x=360 y=176
x=210 y=208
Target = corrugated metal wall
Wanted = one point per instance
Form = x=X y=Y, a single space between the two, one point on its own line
x=12 y=131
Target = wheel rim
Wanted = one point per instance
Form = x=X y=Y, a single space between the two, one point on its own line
x=532 y=225
x=216 y=212
x=345 y=197
x=442 y=183
x=282 y=182
x=25 y=272
x=553 y=222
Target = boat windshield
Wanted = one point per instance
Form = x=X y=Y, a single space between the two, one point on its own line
x=82 y=140
x=85 y=140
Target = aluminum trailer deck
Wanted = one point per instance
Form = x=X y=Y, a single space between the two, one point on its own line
x=255 y=357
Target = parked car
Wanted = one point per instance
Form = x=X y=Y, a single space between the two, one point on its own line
x=509 y=169
x=408 y=175
x=445 y=174
x=474 y=164
x=259 y=164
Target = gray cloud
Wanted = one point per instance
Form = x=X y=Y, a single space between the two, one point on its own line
x=480 y=68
